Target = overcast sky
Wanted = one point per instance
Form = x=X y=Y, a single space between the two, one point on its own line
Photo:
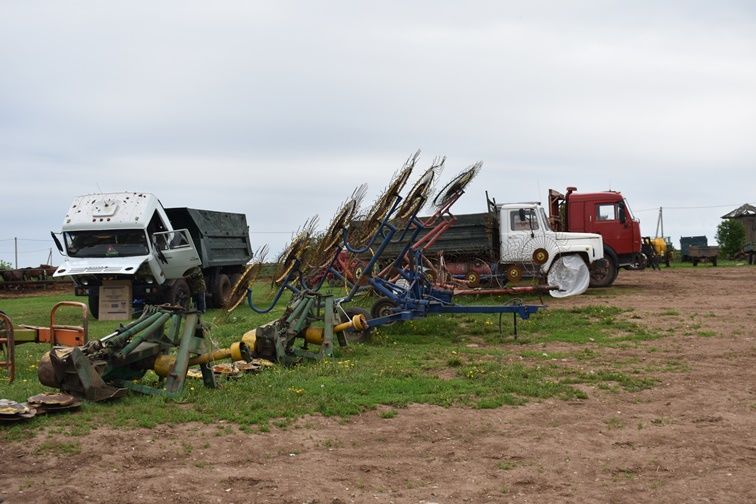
x=279 y=109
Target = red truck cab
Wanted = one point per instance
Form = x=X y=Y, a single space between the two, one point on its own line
x=605 y=213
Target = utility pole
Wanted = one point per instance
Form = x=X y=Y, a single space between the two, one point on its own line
x=660 y=223
x=15 y=248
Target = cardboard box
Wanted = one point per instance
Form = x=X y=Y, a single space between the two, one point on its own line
x=115 y=300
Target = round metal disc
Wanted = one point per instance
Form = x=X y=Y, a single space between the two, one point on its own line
x=51 y=399
x=472 y=279
x=540 y=256
x=514 y=273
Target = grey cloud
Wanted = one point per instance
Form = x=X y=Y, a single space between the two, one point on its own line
x=280 y=109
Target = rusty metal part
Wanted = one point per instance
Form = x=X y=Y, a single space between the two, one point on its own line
x=473 y=279
x=506 y=291
x=52 y=399
x=7 y=346
x=46 y=372
x=457 y=185
x=540 y=256
x=53 y=402
x=12 y=411
x=514 y=273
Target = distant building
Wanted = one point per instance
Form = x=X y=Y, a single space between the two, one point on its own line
x=746 y=214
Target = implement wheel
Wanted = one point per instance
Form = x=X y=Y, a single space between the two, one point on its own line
x=382 y=308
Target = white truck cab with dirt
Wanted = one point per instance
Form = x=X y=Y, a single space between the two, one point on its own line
x=514 y=240
x=130 y=236
x=526 y=237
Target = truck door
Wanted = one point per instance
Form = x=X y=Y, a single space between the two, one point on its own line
x=606 y=222
x=176 y=252
x=523 y=236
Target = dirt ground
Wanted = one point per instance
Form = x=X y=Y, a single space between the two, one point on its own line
x=688 y=439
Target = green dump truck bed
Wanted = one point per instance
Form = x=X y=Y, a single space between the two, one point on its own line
x=222 y=238
x=472 y=235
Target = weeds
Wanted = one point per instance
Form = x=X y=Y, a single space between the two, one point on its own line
x=441 y=360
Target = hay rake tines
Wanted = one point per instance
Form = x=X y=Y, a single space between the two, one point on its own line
x=325 y=259
x=289 y=266
x=364 y=234
x=379 y=221
x=247 y=279
x=435 y=225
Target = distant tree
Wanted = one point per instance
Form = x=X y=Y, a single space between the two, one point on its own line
x=731 y=237
x=4 y=265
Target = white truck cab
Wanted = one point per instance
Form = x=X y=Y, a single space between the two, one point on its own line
x=527 y=238
x=123 y=235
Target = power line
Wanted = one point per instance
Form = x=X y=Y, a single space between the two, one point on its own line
x=686 y=207
x=23 y=251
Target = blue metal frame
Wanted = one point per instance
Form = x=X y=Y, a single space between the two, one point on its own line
x=415 y=298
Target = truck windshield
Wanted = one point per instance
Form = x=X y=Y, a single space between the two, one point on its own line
x=112 y=243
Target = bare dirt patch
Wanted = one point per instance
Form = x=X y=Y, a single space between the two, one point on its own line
x=690 y=438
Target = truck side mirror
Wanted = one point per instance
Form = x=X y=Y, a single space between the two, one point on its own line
x=522 y=214
x=622 y=214
x=57 y=243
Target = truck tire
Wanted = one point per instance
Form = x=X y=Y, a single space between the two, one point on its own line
x=221 y=290
x=603 y=275
x=179 y=294
x=94 y=304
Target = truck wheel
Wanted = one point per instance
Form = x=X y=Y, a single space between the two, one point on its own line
x=351 y=335
x=179 y=293
x=604 y=272
x=94 y=305
x=221 y=290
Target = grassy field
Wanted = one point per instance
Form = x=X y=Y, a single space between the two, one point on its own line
x=443 y=360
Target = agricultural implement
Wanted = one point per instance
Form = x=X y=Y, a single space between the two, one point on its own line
x=54 y=334
x=166 y=340
x=405 y=289
x=411 y=293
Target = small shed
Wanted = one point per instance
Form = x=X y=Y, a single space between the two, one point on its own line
x=746 y=214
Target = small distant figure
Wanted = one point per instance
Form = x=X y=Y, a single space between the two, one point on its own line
x=198 y=288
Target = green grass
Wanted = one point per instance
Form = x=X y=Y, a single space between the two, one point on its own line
x=460 y=360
